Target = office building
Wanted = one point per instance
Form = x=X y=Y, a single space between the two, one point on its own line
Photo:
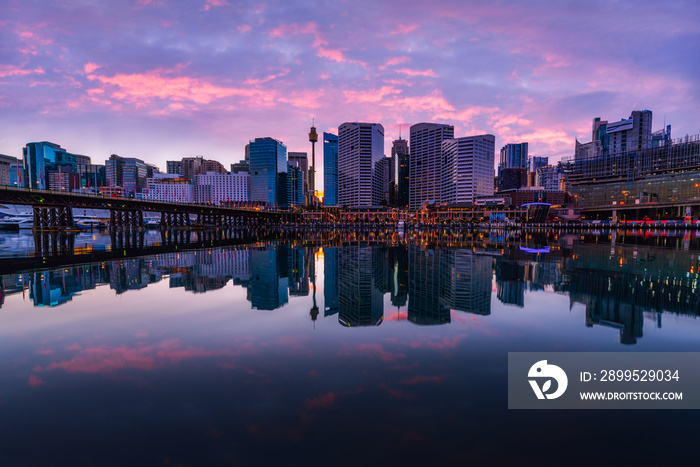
x=383 y=176
x=221 y=189
x=40 y=158
x=300 y=160
x=425 y=162
x=549 y=177
x=128 y=173
x=360 y=150
x=536 y=162
x=400 y=170
x=173 y=167
x=512 y=178
x=600 y=172
x=168 y=187
x=514 y=155
x=467 y=168
x=268 y=172
x=7 y=163
x=295 y=186
x=330 y=169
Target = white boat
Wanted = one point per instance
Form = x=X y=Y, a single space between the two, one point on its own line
x=16 y=222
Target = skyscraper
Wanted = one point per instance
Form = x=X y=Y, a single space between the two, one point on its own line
x=513 y=155
x=360 y=149
x=268 y=172
x=425 y=171
x=301 y=161
x=467 y=168
x=330 y=169
x=399 y=177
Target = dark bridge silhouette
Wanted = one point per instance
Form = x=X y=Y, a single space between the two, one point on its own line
x=52 y=210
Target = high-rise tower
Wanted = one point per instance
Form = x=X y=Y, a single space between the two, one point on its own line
x=360 y=150
x=425 y=162
x=313 y=137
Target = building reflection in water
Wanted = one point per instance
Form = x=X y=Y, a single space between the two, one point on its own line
x=619 y=282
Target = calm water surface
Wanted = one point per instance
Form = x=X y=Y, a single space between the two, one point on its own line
x=380 y=349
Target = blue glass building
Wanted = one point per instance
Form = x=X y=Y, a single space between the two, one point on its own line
x=268 y=172
x=330 y=169
x=43 y=157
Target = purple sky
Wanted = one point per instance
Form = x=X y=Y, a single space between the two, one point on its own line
x=166 y=79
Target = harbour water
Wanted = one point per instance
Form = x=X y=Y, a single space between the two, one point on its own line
x=313 y=348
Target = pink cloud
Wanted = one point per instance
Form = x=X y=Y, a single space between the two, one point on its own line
x=143 y=88
x=394 y=61
x=243 y=28
x=91 y=67
x=370 y=96
x=321 y=402
x=106 y=360
x=35 y=381
x=403 y=29
x=44 y=351
x=211 y=3
x=370 y=350
x=406 y=71
x=13 y=70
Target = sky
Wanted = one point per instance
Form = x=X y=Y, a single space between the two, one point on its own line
x=166 y=79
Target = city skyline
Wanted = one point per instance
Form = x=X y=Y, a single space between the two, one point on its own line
x=161 y=81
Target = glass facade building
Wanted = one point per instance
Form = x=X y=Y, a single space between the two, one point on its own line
x=43 y=157
x=330 y=169
x=268 y=172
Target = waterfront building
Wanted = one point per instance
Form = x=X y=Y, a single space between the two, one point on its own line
x=169 y=188
x=400 y=173
x=535 y=194
x=268 y=172
x=467 y=168
x=622 y=166
x=129 y=173
x=63 y=178
x=360 y=150
x=43 y=157
x=330 y=169
x=549 y=177
x=536 y=162
x=221 y=189
x=513 y=156
x=92 y=176
x=17 y=173
x=512 y=178
x=7 y=163
x=425 y=162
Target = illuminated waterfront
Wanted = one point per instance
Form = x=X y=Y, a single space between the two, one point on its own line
x=329 y=347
